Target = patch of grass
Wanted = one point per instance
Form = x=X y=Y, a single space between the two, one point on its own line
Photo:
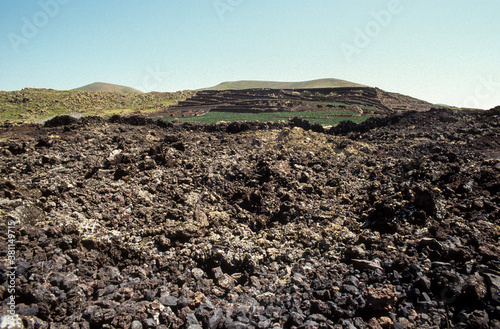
x=322 y=117
x=371 y=108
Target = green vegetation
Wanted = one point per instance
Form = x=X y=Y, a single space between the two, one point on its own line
x=250 y=84
x=322 y=117
x=37 y=104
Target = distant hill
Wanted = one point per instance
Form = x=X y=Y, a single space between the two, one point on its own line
x=254 y=84
x=101 y=86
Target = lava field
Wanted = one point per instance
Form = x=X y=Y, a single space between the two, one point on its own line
x=133 y=223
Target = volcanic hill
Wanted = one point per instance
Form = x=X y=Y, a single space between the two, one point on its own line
x=256 y=84
x=108 y=87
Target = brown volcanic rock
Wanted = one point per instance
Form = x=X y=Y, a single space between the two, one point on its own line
x=381 y=297
x=131 y=222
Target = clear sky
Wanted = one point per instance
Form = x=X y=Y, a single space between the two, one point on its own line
x=444 y=51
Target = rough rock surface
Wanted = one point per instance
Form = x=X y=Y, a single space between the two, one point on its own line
x=128 y=223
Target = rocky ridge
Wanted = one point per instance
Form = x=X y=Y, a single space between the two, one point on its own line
x=373 y=100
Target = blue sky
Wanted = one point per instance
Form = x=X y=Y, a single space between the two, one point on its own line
x=441 y=51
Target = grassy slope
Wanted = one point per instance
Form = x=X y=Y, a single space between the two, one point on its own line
x=249 y=84
x=37 y=104
x=101 y=86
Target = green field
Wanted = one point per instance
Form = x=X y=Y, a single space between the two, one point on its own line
x=321 y=117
